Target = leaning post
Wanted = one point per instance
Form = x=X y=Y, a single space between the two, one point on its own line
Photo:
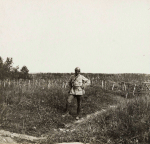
x=102 y=84
x=113 y=86
x=134 y=89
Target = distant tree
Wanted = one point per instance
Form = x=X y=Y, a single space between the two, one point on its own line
x=15 y=72
x=24 y=72
x=24 y=69
x=7 y=66
x=1 y=68
x=1 y=62
x=7 y=71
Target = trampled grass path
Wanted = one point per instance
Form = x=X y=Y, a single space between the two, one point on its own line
x=9 y=137
x=72 y=126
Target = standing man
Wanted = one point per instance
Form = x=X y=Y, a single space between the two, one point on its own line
x=77 y=84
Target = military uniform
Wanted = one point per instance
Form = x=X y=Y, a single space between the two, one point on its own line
x=77 y=85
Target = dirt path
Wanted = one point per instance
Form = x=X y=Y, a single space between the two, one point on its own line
x=72 y=126
x=8 y=137
x=4 y=139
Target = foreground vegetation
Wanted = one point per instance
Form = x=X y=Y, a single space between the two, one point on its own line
x=126 y=124
x=38 y=111
x=35 y=107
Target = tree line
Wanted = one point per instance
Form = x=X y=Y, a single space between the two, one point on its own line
x=7 y=71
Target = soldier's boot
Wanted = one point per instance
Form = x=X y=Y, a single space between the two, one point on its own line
x=66 y=111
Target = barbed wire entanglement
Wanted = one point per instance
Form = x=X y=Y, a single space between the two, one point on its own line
x=124 y=87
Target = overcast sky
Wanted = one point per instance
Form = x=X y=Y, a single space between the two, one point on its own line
x=99 y=36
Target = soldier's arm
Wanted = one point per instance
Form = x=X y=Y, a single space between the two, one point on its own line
x=86 y=81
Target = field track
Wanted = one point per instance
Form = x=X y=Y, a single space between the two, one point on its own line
x=8 y=137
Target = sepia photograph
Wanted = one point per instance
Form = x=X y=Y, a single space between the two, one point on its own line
x=75 y=71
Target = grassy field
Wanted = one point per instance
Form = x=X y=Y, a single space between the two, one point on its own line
x=37 y=109
x=39 y=112
x=129 y=123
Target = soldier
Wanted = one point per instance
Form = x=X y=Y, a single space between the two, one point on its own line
x=77 y=84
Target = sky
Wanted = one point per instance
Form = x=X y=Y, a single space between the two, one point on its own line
x=99 y=36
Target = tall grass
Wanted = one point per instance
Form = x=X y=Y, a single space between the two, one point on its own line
x=36 y=108
x=126 y=124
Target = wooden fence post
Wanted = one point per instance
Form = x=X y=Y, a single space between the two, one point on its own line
x=113 y=86
x=126 y=95
x=9 y=83
x=49 y=84
x=134 y=90
x=66 y=84
x=36 y=83
x=102 y=84
x=63 y=85
x=125 y=88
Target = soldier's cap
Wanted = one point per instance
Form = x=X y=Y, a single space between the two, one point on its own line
x=77 y=69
